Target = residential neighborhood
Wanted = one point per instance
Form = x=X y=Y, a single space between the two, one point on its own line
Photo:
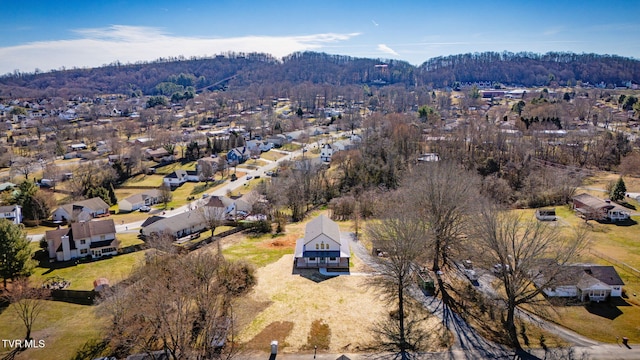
x=246 y=206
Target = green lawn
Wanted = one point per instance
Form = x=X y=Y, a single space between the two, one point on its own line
x=604 y=322
x=115 y=269
x=168 y=169
x=272 y=155
x=257 y=251
x=64 y=328
x=129 y=239
x=144 y=180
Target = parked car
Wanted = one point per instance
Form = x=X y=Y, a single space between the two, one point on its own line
x=145 y=208
x=249 y=177
x=471 y=274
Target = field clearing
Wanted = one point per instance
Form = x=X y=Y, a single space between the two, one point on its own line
x=345 y=303
x=64 y=328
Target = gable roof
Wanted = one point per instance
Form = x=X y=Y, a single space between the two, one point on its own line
x=8 y=208
x=151 y=220
x=215 y=201
x=140 y=197
x=176 y=174
x=178 y=222
x=93 y=204
x=585 y=276
x=592 y=201
x=87 y=229
x=322 y=225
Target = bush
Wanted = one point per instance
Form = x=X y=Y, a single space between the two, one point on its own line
x=262 y=226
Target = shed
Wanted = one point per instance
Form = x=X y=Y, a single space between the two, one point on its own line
x=100 y=284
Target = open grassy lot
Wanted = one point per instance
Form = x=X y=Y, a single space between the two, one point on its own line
x=272 y=155
x=261 y=250
x=129 y=239
x=64 y=328
x=345 y=304
x=81 y=276
x=144 y=180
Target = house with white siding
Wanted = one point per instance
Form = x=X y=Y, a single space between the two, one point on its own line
x=322 y=246
x=12 y=213
x=585 y=282
x=82 y=239
x=82 y=210
x=136 y=201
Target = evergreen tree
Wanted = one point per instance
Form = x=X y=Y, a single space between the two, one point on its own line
x=15 y=253
x=618 y=190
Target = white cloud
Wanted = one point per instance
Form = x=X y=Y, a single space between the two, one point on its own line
x=129 y=44
x=385 y=49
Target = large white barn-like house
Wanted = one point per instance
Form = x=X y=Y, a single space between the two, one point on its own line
x=322 y=246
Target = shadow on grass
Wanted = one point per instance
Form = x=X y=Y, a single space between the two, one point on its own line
x=606 y=310
x=92 y=349
x=627 y=222
x=311 y=274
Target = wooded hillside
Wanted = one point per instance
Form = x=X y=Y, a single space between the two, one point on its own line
x=244 y=70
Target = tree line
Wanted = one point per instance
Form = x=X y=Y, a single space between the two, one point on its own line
x=524 y=69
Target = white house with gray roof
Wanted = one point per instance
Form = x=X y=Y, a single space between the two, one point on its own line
x=322 y=246
x=12 y=213
x=136 y=201
x=84 y=210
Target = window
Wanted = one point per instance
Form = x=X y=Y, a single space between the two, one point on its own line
x=82 y=242
x=332 y=259
x=317 y=246
x=312 y=259
x=83 y=251
x=102 y=237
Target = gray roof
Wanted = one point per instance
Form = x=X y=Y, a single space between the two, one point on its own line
x=322 y=225
x=318 y=226
x=93 y=204
x=587 y=275
x=140 y=197
x=8 y=208
x=176 y=223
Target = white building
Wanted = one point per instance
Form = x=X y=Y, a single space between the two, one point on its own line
x=82 y=239
x=322 y=246
x=12 y=213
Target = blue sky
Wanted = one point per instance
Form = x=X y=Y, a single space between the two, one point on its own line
x=53 y=34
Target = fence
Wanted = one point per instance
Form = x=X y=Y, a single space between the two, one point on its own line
x=618 y=263
x=83 y=297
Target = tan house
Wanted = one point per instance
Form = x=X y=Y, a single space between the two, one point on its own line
x=82 y=239
x=322 y=246
x=178 y=226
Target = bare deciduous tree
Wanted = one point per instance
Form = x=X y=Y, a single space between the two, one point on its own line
x=523 y=247
x=401 y=236
x=26 y=302
x=213 y=216
x=443 y=195
x=178 y=304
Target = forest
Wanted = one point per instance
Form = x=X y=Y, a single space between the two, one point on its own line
x=241 y=71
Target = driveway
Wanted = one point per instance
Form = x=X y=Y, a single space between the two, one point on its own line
x=468 y=344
